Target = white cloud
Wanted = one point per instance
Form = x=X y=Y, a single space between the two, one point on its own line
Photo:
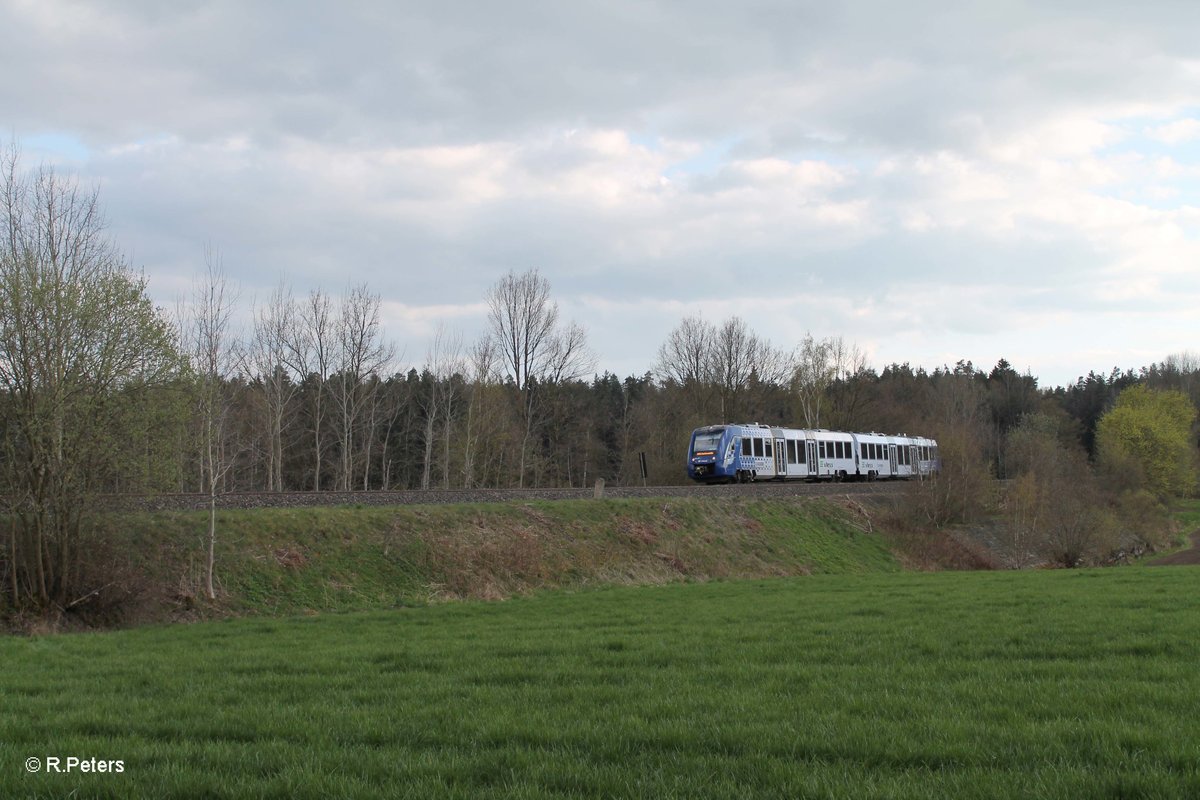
x=871 y=170
x=1181 y=130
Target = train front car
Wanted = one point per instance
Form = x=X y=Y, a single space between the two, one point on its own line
x=707 y=461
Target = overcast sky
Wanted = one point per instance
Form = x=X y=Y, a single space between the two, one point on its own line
x=933 y=181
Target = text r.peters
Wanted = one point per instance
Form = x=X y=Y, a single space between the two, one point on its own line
x=74 y=764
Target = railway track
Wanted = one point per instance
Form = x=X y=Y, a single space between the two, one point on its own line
x=184 y=502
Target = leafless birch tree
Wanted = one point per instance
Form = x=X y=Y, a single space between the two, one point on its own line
x=482 y=365
x=814 y=372
x=443 y=361
x=214 y=351
x=268 y=362
x=310 y=348
x=363 y=355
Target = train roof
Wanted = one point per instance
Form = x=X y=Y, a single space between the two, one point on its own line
x=809 y=431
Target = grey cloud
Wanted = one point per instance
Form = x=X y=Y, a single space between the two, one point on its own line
x=869 y=74
x=849 y=83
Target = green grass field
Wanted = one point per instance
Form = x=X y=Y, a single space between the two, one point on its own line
x=1036 y=684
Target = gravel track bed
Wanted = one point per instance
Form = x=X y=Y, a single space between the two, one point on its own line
x=184 y=502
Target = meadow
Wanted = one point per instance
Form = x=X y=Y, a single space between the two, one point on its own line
x=1036 y=684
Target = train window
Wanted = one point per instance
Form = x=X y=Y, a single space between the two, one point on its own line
x=758 y=450
x=746 y=446
x=821 y=448
x=767 y=447
x=841 y=449
x=791 y=452
x=801 y=456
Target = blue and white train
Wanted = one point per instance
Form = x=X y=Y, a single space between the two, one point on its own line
x=750 y=452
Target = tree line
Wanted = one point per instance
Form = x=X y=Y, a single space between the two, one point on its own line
x=104 y=393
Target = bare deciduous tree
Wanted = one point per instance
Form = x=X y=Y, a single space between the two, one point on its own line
x=268 y=362
x=524 y=324
x=737 y=356
x=814 y=372
x=310 y=350
x=442 y=362
x=363 y=355
x=846 y=395
x=482 y=364
x=685 y=357
x=213 y=347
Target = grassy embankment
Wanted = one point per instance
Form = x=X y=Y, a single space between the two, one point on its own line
x=272 y=561
x=1187 y=514
x=1000 y=684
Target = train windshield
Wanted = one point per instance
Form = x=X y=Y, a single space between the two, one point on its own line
x=707 y=442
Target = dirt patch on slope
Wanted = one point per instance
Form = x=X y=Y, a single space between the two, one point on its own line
x=1189 y=556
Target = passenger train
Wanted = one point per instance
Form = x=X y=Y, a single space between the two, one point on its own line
x=749 y=452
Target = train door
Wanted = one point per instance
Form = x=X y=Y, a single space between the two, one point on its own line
x=913 y=463
x=892 y=457
x=780 y=458
x=813 y=463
